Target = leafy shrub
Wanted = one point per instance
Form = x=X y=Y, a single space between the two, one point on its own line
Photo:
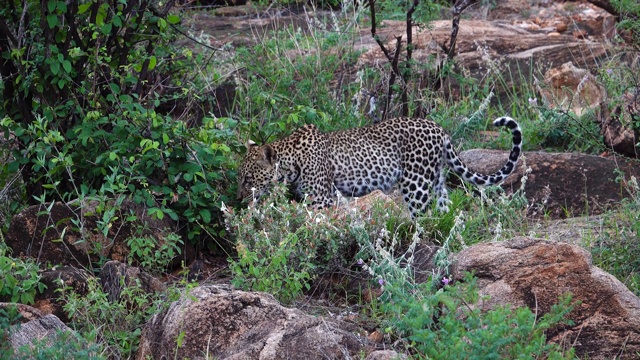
x=445 y=324
x=282 y=246
x=114 y=325
x=19 y=279
x=154 y=257
x=85 y=114
x=562 y=131
x=615 y=249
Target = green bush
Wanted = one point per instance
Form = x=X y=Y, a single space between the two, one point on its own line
x=283 y=246
x=115 y=325
x=446 y=323
x=152 y=256
x=615 y=248
x=84 y=111
x=19 y=279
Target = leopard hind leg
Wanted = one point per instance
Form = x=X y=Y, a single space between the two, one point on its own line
x=417 y=188
x=440 y=188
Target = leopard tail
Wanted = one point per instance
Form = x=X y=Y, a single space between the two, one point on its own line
x=478 y=179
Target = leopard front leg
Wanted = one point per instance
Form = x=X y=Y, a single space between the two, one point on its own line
x=317 y=185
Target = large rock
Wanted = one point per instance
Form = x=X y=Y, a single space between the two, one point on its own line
x=571 y=88
x=534 y=273
x=371 y=204
x=506 y=48
x=221 y=323
x=560 y=184
x=44 y=329
x=68 y=234
x=37 y=331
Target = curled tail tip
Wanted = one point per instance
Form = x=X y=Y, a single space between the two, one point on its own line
x=506 y=121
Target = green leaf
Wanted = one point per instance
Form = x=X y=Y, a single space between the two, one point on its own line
x=106 y=28
x=52 y=20
x=100 y=18
x=82 y=8
x=117 y=21
x=206 y=215
x=13 y=167
x=173 y=19
x=27 y=298
x=115 y=88
x=67 y=66
x=51 y=5
x=152 y=63
x=55 y=68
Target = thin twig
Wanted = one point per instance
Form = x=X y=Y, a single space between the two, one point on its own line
x=392 y=78
x=407 y=65
x=372 y=10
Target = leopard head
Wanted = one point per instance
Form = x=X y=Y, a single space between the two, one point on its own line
x=257 y=171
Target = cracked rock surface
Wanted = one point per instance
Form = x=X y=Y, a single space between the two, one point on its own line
x=219 y=322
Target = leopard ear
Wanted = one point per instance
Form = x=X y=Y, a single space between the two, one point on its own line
x=268 y=154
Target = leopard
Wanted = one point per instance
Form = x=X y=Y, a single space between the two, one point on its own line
x=412 y=153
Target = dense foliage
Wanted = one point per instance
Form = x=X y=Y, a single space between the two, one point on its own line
x=88 y=88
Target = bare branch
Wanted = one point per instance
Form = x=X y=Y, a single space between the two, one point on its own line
x=409 y=28
x=392 y=79
x=458 y=8
x=372 y=10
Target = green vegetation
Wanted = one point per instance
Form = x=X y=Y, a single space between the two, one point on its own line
x=101 y=105
x=154 y=257
x=88 y=115
x=616 y=250
x=440 y=324
x=20 y=280
x=282 y=247
x=116 y=324
x=629 y=16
